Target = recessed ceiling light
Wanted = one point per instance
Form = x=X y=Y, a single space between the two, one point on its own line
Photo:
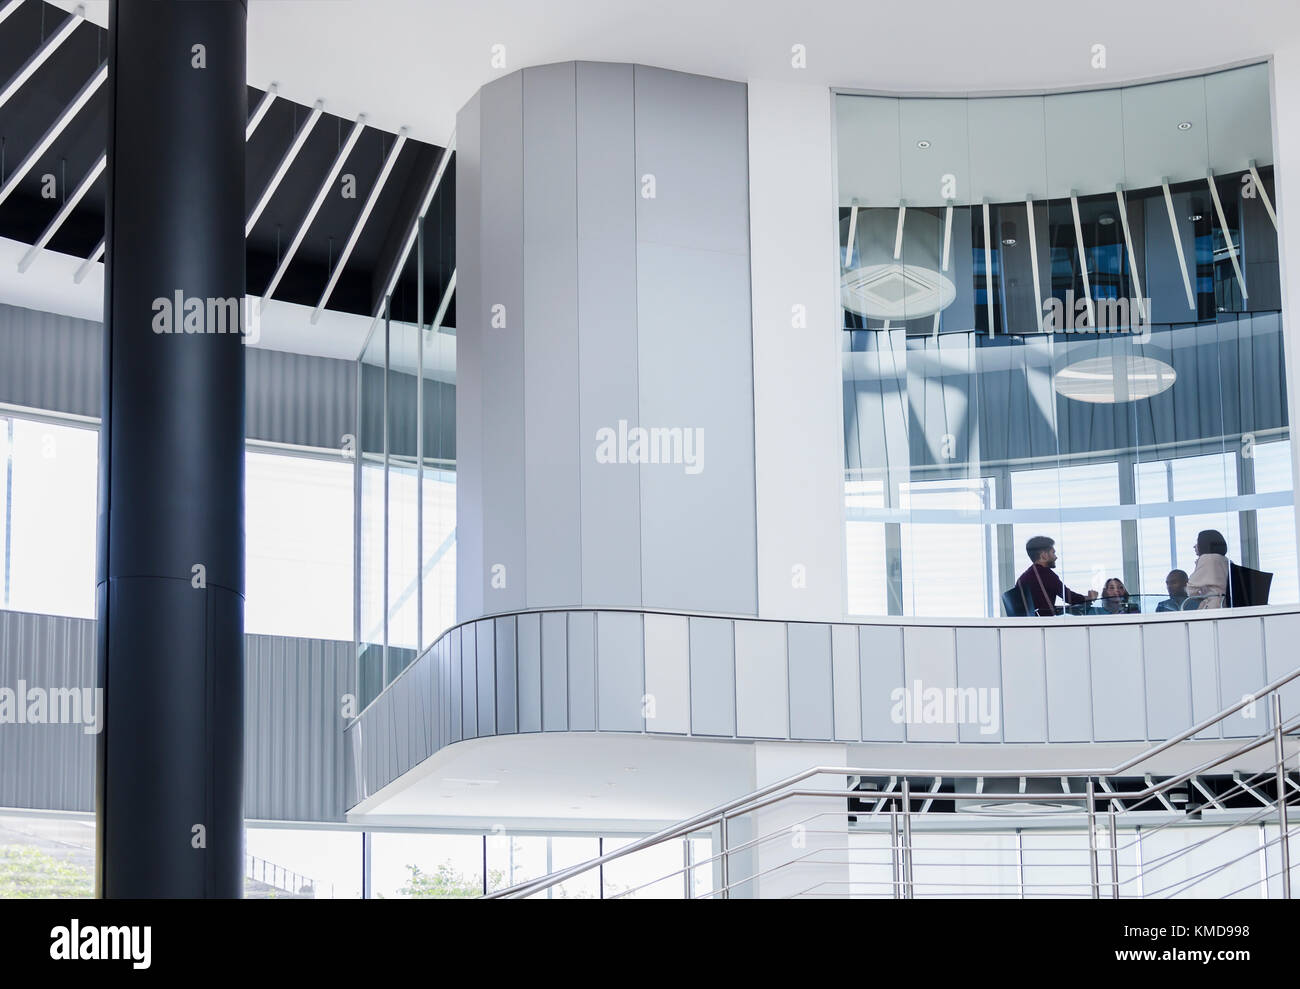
x=1009 y=242
x=922 y=144
x=629 y=769
x=1185 y=125
x=1105 y=219
x=1196 y=217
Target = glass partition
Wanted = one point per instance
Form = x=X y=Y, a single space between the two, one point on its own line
x=1061 y=317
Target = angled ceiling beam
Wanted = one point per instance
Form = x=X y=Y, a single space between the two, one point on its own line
x=282 y=169
x=265 y=104
x=1227 y=234
x=1033 y=261
x=42 y=54
x=66 y=117
x=1083 y=263
x=319 y=201
x=947 y=234
x=1178 y=244
x=360 y=225
x=1132 y=256
x=89 y=263
x=898 y=233
x=988 y=269
x=64 y=212
x=446 y=301
x=415 y=226
x=853 y=232
x=1263 y=193
x=9 y=8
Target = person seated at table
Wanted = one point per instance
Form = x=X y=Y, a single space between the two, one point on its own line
x=1040 y=585
x=1209 y=579
x=1115 y=599
x=1176 y=585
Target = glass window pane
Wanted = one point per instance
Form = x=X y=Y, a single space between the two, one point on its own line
x=441 y=866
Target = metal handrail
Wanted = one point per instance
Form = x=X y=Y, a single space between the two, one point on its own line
x=755 y=800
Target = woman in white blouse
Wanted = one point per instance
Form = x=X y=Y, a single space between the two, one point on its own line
x=1208 y=582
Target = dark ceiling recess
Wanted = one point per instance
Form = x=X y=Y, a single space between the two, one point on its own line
x=43 y=98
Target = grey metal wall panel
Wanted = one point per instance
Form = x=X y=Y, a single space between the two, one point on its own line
x=1118 y=684
x=507 y=677
x=667 y=674
x=1241 y=672
x=812 y=708
x=762 y=695
x=713 y=677
x=485 y=643
x=607 y=330
x=555 y=671
x=1024 y=685
x=296 y=398
x=582 y=671
x=1203 y=662
x=844 y=667
x=1168 y=679
x=880 y=678
x=929 y=664
x=501 y=263
x=698 y=530
x=471 y=323
x=455 y=693
x=1281 y=633
x=620 y=672
x=469 y=682
x=550 y=296
x=1069 y=695
x=529 y=633
x=51 y=362
x=979 y=669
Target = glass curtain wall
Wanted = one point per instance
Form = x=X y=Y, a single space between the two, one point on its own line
x=1061 y=317
x=406 y=475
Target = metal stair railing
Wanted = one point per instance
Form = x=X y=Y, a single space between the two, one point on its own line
x=901 y=817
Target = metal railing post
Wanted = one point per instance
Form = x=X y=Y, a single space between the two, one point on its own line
x=726 y=865
x=908 y=890
x=1092 y=842
x=1284 y=843
x=893 y=848
x=1114 y=854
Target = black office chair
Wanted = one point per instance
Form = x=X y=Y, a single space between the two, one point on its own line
x=1016 y=604
x=1247 y=587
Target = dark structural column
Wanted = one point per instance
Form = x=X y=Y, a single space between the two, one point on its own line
x=170 y=578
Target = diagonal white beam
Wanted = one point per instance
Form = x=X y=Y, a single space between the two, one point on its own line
x=1178 y=244
x=947 y=234
x=1033 y=262
x=1132 y=256
x=89 y=263
x=282 y=169
x=1227 y=234
x=319 y=201
x=42 y=55
x=988 y=269
x=1083 y=260
x=415 y=226
x=8 y=9
x=1263 y=193
x=52 y=135
x=360 y=225
x=853 y=232
x=898 y=234
x=62 y=215
x=271 y=92
x=446 y=301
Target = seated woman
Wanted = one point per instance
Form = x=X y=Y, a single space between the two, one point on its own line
x=1115 y=599
x=1208 y=582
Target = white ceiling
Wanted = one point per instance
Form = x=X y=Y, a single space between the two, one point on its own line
x=416 y=62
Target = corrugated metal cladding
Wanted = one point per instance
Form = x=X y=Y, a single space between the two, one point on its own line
x=293 y=723
x=54 y=362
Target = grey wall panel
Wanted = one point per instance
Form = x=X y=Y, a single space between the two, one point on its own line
x=507 y=677
x=1069 y=694
x=486 y=666
x=1168 y=679
x=501 y=267
x=880 y=676
x=51 y=362
x=1203 y=662
x=469 y=682
x=1118 y=684
x=295 y=398
x=1241 y=672
x=713 y=677
x=929 y=665
x=550 y=296
x=844 y=668
x=1281 y=634
x=470 y=313
x=607 y=331
x=812 y=708
x=762 y=697
x=620 y=671
x=582 y=671
x=667 y=674
x=529 y=644
x=455 y=693
x=555 y=672
x=979 y=669
x=1024 y=685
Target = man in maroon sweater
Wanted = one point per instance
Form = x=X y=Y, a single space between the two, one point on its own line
x=1040 y=585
